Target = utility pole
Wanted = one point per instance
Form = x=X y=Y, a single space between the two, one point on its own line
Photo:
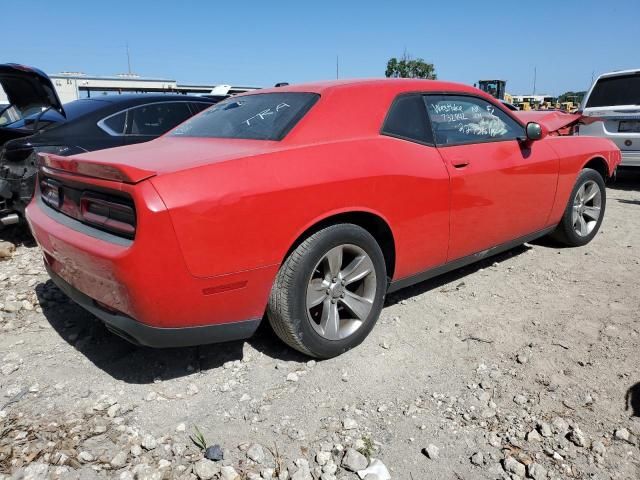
x=535 y=74
x=128 y=59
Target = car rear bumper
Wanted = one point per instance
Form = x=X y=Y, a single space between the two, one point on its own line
x=149 y=336
x=630 y=158
x=141 y=288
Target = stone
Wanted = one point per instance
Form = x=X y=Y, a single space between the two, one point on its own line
x=494 y=440
x=163 y=463
x=181 y=427
x=349 y=424
x=292 y=377
x=598 y=448
x=622 y=434
x=149 y=442
x=536 y=471
x=511 y=465
x=9 y=368
x=520 y=399
x=560 y=425
x=522 y=358
x=322 y=458
x=206 y=469
x=477 y=458
x=214 y=453
x=256 y=453
x=6 y=249
x=577 y=437
x=136 y=450
x=431 y=451
x=533 y=436
x=545 y=429
x=85 y=457
x=354 y=460
x=302 y=471
x=119 y=461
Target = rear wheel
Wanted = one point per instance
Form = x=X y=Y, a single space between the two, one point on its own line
x=329 y=292
x=584 y=213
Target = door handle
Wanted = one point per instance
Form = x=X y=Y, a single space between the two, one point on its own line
x=460 y=163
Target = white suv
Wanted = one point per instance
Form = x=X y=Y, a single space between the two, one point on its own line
x=614 y=100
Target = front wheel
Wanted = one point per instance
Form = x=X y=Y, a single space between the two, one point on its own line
x=585 y=210
x=329 y=292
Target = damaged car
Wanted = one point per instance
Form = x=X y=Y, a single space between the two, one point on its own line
x=42 y=124
x=305 y=205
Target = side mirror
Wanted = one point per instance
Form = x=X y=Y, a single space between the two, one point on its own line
x=534 y=131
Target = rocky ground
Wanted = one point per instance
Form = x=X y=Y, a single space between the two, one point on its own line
x=524 y=366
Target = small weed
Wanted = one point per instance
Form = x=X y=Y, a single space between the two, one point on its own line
x=198 y=439
x=367 y=449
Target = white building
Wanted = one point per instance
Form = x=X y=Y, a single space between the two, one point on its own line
x=74 y=85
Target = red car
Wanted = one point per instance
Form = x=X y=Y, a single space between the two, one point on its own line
x=307 y=204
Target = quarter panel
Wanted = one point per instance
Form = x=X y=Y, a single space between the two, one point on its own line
x=246 y=213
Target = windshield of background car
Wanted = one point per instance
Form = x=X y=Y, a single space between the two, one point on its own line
x=613 y=91
x=262 y=116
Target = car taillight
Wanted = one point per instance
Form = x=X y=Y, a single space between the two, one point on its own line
x=51 y=193
x=108 y=214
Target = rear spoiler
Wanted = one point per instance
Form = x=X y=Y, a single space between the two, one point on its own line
x=90 y=168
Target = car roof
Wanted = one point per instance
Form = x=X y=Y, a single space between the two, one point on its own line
x=388 y=85
x=149 y=97
x=619 y=73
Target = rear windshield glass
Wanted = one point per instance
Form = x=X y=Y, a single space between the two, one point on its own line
x=262 y=116
x=612 y=91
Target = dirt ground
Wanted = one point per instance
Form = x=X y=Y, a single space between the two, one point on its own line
x=527 y=364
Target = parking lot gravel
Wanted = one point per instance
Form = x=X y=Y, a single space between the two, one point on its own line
x=524 y=365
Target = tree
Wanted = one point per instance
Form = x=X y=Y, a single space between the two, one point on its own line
x=408 y=67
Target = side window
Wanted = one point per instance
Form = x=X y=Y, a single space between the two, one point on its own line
x=462 y=119
x=114 y=125
x=157 y=118
x=407 y=119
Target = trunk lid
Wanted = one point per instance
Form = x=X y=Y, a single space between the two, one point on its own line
x=135 y=163
x=28 y=87
x=551 y=120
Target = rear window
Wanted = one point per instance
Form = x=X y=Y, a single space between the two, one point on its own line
x=612 y=91
x=263 y=116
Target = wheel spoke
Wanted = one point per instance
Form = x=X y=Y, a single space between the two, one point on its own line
x=592 y=212
x=582 y=225
x=574 y=215
x=316 y=292
x=359 y=268
x=330 y=320
x=334 y=260
x=591 y=191
x=358 y=305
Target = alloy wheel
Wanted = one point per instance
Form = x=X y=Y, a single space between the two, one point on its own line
x=587 y=208
x=341 y=292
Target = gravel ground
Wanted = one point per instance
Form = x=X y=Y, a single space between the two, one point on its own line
x=525 y=365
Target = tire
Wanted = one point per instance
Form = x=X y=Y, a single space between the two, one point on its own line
x=572 y=231
x=309 y=275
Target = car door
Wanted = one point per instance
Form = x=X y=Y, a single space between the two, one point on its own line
x=149 y=121
x=502 y=188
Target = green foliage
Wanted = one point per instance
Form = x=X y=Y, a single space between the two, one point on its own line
x=198 y=439
x=408 y=67
x=367 y=449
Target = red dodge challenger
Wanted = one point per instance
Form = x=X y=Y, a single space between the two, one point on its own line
x=306 y=205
